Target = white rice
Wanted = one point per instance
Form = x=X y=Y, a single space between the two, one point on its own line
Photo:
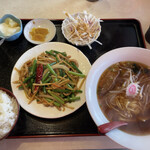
x=8 y=113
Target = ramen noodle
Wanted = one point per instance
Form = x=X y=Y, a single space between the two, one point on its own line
x=123 y=94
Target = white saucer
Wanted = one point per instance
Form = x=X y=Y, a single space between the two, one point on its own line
x=43 y=23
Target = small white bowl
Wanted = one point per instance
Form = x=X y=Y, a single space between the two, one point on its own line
x=81 y=29
x=42 y=23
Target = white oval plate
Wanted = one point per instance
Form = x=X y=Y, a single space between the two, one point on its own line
x=121 y=54
x=43 y=23
x=39 y=109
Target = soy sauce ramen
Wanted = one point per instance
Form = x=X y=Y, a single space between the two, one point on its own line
x=123 y=92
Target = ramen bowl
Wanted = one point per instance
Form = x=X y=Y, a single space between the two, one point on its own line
x=134 y=54
x=9 y=112
x=15 y=33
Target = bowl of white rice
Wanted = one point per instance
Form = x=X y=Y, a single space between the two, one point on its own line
x=9 y=112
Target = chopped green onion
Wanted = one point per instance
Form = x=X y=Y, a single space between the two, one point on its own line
x=28 y=78
x=56 y=97
x=55 y=103
x=75 y=67
x=72 y=99
x=33 y=69
x=76 y=74
x=63 y=53
x=45 y=76
x=51 y=69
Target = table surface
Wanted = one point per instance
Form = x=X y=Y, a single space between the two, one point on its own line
x=50 y=9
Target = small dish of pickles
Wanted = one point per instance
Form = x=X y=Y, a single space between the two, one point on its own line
x=38 y=31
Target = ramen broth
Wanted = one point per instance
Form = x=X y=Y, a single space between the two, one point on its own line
x=123 y=92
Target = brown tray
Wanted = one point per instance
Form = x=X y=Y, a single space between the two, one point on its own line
x=115 y=33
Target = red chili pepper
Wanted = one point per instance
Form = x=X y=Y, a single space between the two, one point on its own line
x=39 y=74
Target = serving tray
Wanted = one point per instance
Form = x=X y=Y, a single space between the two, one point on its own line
x=115 y=33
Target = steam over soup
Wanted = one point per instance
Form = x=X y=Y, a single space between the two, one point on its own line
x=123 y=92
